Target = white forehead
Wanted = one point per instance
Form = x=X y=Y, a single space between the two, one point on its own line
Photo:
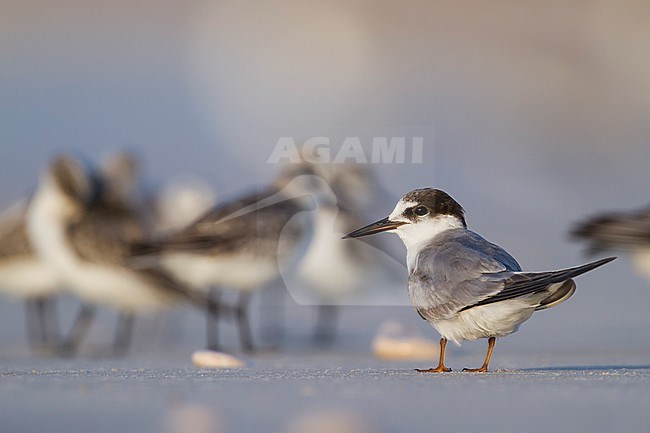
x=401 y=206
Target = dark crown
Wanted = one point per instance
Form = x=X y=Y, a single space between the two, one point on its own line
x=437 y=201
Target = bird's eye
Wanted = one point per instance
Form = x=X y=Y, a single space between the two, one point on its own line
x=421 y=210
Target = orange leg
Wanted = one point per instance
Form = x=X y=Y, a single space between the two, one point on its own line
x=484 y=367
x=441 y=361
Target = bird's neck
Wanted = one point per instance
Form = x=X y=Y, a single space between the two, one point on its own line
x=417 y=236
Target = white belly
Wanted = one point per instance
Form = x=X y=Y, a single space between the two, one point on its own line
x=329 y=268
x=115 y=287
x=329 y=271
x=492 y=320
x=237 y=272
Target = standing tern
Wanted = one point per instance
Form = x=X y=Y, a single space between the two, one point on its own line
x=463 y=285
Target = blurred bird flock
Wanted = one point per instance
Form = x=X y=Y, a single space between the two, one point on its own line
x=92 y=231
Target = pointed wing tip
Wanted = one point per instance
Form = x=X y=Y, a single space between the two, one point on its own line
x=598 y=263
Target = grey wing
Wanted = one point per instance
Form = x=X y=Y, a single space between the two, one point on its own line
x=106 y=236
x=244 y=226
x=450 y=274
x=524 y=283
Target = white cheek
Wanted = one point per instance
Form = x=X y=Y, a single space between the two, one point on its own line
x=417 y=235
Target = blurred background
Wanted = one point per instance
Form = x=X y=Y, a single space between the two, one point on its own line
x=533 y=116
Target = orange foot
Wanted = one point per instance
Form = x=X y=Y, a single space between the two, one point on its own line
x=438 y=369
x=476 y=370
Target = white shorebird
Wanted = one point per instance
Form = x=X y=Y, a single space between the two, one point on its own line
x=85 y=233
x=23 y=275
x=333 y=272
x=463 y=285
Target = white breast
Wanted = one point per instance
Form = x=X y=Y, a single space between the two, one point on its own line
x=329 y=269
x=45 y=227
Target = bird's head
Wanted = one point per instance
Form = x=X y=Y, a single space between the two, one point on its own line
x=70 y=185
x=418 y=216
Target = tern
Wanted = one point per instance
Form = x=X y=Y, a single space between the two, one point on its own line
x=463 y=285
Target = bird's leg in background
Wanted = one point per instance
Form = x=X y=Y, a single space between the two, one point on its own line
x=49 y=322
x=483 y=368
x=325 y=330
x=35 y=335
x=272 y=314
x=77 y=331
x=441 y=360
x=42 y=326
x=212 y=328
x=245 y=335
x=124 y=333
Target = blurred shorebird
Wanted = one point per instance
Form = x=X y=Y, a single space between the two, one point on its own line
x=240 y=246
x=84 y=229
x=333 y=272
x=626 y=232
x=23 y=275
x=463 y=285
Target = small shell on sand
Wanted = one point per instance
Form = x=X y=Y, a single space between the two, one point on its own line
x=393 y=341
x=212 y=359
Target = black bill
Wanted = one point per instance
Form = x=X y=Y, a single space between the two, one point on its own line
x=376 y=227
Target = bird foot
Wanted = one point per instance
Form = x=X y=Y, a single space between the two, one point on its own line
x=438 y=369
x=476 y=370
